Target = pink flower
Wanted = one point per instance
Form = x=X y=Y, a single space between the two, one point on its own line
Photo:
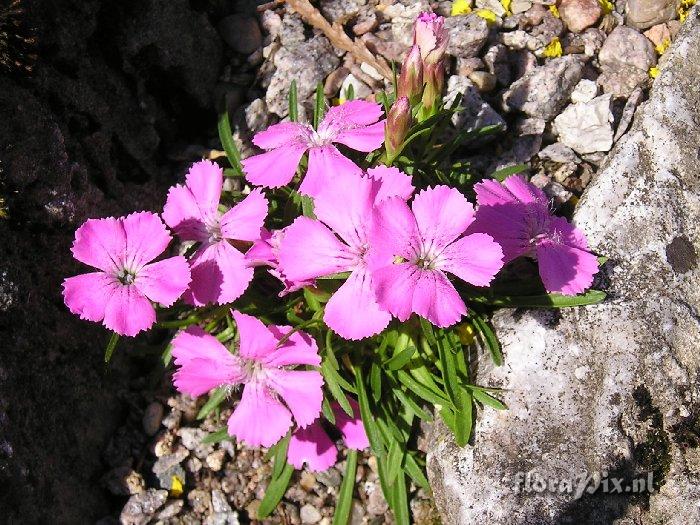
x=413 y=249
x=338 y=242
x=516 y=214
x=431 y=36
x=119 y=294
x=272 y=392
x=353 y=124
x=313 y=446
x=220 y=272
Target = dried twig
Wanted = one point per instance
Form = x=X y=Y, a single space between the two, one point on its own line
x=337 y=36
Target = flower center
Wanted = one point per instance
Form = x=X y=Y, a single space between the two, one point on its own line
x=126 y=277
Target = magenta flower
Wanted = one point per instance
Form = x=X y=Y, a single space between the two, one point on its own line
x=313 y=446
x=338 y=242
x=516 y=214
x=414 y=248
x=272 y=392
x=220 y=272
x=119 y=294
x=431 y=37
x=353 y=124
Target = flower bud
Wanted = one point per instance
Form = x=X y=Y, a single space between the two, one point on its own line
x=398 y=122
x=431 y=37
x=434 y=84
x=410 y=82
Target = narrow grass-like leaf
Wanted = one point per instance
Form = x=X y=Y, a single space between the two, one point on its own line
x=401 y=359
x=551 y=300
x=216 y=437
x=327 y=410
x=393 y=461
x=421 y=391
x=350 y=92
x=111 y=345
x=319 y=105
x=344 y=504
x=487 y=399
x=463 y=419
x=293 y=103
x=489 y=338
x=501 y=174
x=275 y=492
x=410 y=403
x=375 y=382
x=368 y=420
x=416 y=472
x=280 y=455
x=215 y=399
x=226 y=138
x=400 y=506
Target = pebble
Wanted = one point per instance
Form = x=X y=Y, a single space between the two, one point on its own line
x=215 y=460
x=468 y=34
x=359 y=88
x=642 y=14
x=309 y=514
x=123 y=481
x=341 y=10
x=330 y=478
x=367 y=21
x=476 y=113
x=199 y=500
x=560 y=153
x=627 y=47
x=307 y=481
x=171 y=509
x=152 y=417
x=241 y=33
x=142 y=507
x=579 y=15
x=465 y=66
x=586 y=127
x=585 y=91
x=483 y=81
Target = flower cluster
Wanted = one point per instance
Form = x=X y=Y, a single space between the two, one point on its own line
x=362 y=225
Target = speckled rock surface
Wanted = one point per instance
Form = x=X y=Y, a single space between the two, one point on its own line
x=613 y=388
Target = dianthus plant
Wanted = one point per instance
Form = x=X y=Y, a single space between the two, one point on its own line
x=342 y=292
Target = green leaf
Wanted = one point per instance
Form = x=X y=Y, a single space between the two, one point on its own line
x=393 y=461
x=307 y=207
x=551 y=300
x=487 y=399
x=420 y=390
x=410 y=403
x=216 y=437
x=280 y=456
x=501 y=174
x=370 y=424
x=293 y=104
x=214 y=401
x=327 y=410
x=311 y=300
x=344 y=504
x=375 y=382
x=489 y=338
x=401 y=359
x=332 y=378
x=400 y=501
x=226 y=138
x=111 y=345
x=463 y=419
x=319 y=105
x=427 y=331
x=449 y=374
x=275 y=492
x=416 y=472
x=350 y=92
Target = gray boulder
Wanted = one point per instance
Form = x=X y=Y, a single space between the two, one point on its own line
x=605 y=394
x=643 y=14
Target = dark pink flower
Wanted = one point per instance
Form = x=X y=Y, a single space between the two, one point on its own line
x=119 y=294
x=353 y=124
x=517 y=214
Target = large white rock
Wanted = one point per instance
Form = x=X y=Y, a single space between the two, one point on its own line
x=611 y=388
x=586 y=127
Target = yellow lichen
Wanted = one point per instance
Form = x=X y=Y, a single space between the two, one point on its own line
x=553 y=49
x=607 y=6
x=176 y=487
x=684 y=9
x=654 y=72
x=663 y=46
x=461 y=7
x=506 y=6
x=553 y=9
x=487 y=15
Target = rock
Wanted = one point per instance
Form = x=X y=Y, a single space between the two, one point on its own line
x=215 y=460
x=241 y=33
x=483 y=81
x=625 y=370
x=341 y=10
x=466 y=66
x=543 y=91
x=291 y=32
x=200 y=501
x=527 y=142
x=627 y=47
x=308 y=63
x=366 y=22
x=168 y=466
x=660 y=35
x=152 y=417
x=222 y=513
x=497 y=62
x=476 y=113
x=171 y=509
x=494 y=6
x=468 y=34
x=359 y=88
x=123 y=481
x=586 y=127
x=376 y=504
x=271 y=23
x=142 y=507
x=646 y=13
x=310 y=514
x=542 y=35
x=622 y=81
x=515 y=39
x=579 y=15
x=560 y=153
x=331 y=478
x=334 y=81
x=307 y=481
x=520 y=6
x=402 y=16
x=585 y=91
x=628 y=113
x=522 y=62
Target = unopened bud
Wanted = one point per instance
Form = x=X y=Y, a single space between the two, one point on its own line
x=434 y=84
x=398 y=122
x=431 y=36
x=410 y=81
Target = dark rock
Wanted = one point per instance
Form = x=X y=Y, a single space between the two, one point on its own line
x=241 y=32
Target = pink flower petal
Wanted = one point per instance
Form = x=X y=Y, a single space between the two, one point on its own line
x=262 y=252
x=274 y=168
x=282 y=134
x=352 y=428
x=301 y=390
x=490 y=192
x=86 y=295
x=245 y=220
x=394 y=232
x=346 y=207
x=404 y=289
x=507 y=224
x=311 y=445
x=442 y=214
x=351 y=114
x=352 y=311
x=256 y=340
x=146 y=238
x=394 y=183
x=259 y=420
x=204 y=363
x=101 y=244
x=205 y=180
x=183 y=215
x=525 y=191
x=220 y=274
x=363 y=139
x=324 y=163
x=309 y=249
x=476 y=259
x=128 y=312
x=563 y=231
x=565 y=269
x=298 y=349
x=164 y=281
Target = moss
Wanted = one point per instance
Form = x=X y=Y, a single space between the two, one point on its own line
x=654 y=454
